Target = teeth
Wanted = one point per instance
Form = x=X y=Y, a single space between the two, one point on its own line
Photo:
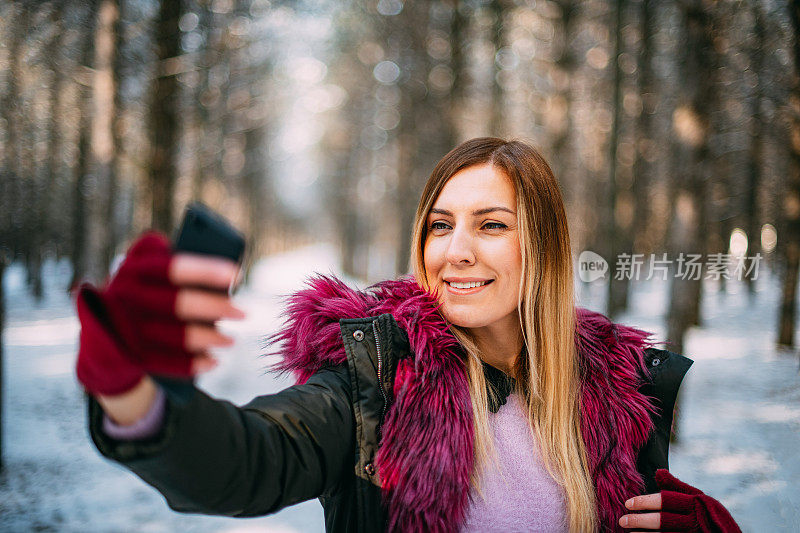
x=468 y=285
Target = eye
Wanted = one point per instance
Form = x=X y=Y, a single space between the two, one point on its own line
x=499 y=225
x=438 y=225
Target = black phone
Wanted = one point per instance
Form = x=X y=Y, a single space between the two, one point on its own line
x=203 y=231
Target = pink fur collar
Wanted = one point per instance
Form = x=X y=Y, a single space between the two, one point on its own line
x=426 y=453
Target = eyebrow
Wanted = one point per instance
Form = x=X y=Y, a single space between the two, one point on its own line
x=476 y=213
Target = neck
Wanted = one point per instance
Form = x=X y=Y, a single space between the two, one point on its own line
x=499 y=346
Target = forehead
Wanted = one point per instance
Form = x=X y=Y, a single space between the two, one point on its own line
x=475 y=187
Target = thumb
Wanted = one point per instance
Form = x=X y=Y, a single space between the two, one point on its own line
x=667 y=481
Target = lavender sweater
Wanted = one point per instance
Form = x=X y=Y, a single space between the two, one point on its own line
x=520 y=496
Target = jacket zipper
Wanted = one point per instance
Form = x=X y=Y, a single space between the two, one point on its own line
x=375 y=331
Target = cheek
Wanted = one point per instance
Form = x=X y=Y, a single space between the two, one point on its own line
x=508 y=256
x=431 y=265
x=432 y=257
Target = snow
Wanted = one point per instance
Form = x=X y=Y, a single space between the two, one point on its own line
x=739 y=417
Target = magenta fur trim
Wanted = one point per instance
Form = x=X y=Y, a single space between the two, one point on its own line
x=426 y=453
x=615 y=419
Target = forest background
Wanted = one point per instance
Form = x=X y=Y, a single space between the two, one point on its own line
x=672 y=126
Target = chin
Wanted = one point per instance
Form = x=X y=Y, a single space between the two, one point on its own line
x=464 y=320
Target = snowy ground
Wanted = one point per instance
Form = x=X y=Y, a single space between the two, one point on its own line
x=740 y=417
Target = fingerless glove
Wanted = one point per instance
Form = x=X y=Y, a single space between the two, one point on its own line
x=129 y=328
x=686 y=508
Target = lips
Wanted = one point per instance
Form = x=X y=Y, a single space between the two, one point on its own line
x=467 y=280
x=485 y=281
x=471 y=290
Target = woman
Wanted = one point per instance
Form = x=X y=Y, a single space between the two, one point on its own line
x=473 y=396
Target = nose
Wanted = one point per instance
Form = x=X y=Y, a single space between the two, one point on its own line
x=460 y=249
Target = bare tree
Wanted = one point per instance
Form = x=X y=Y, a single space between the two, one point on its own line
x=104 y=141
x=791 y=202
x=163 y=116
x=78 y=253
x=691 y=123
x=564 y=63
x=10 y=178
x=55 y=141
x=496 y=122
x=755 y=151
x=618 y=234
x=643 y=168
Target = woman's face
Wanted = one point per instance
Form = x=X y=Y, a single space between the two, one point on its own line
x=472 y=237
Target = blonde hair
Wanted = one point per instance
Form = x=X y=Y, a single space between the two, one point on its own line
x=547 y=373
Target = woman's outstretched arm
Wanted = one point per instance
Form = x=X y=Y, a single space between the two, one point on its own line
x=152 y=326
x=213 y=457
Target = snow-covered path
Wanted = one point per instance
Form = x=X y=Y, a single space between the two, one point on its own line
x=740 y=417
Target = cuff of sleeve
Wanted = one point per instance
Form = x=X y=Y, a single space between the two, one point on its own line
x=178 y=398
x=145 y=427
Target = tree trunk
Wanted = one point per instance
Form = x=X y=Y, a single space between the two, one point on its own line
x=78 y=252
x=496 y=122
x=755 y=157
x=40 y=234
x=103 y=143
x=200 y=115
x=163 y=118
x=12 y=200
x=643 y=168
x=565 y=63
x=116 y=224
x=47 y=197
x=691 y=122
x=458 y=64
x=791 y=202
x=618 y=231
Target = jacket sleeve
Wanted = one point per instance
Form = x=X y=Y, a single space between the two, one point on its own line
x=212 y=457
x=667 y=370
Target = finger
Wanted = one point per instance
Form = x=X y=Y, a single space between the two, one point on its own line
x=199 y=270
x=644 y=502
x=204 y=306
x=201 y=337
x=645 y=520
x=203 y=363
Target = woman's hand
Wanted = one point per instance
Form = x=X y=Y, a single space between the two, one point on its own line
x=647 y=502
x=680 y=507
x=157 y=315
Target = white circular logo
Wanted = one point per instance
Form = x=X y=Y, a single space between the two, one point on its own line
x=591 y=266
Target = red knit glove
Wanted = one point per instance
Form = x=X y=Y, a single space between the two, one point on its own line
x=685 y=508
x=129 y=328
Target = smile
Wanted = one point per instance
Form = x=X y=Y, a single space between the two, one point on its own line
x=467 y=288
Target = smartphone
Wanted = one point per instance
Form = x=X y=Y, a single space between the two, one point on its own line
x=203 y=231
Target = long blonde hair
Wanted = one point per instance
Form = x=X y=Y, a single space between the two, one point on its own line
x=547 y=373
